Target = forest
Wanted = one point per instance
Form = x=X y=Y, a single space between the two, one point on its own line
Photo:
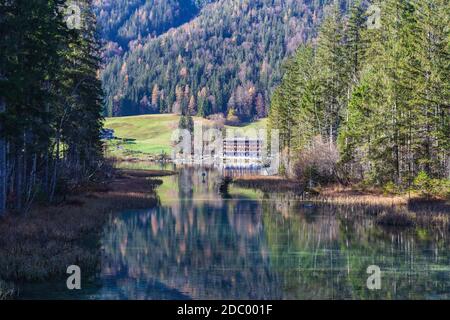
x=368 y=102
x=123 y=22
x=356 y=103
x=358 y=90
x=226 y=59
x=51 y=101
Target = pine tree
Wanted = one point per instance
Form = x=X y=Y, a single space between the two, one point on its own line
x=332 y=74
x=383 y=92
x=53 y=96
x=429 y=71
x=3 y=166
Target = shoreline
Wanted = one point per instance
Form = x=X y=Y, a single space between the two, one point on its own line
x=349 y=195
x=396 y=211
x=40 y=245
x=269 y=183
x=332 y=194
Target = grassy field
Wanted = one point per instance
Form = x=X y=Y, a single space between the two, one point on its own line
x=144 y=135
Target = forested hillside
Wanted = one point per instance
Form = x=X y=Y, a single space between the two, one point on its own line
x=226 y=59
x=370 y=103
x=123 y=23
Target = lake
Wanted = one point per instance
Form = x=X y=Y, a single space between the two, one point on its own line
x=250 y=245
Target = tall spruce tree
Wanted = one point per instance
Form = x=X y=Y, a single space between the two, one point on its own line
x=48 y=111
x=383 y=91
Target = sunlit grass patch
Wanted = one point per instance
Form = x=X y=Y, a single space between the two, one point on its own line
x=150 y=135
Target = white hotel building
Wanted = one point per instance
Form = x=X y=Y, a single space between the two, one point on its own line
x=242 y=152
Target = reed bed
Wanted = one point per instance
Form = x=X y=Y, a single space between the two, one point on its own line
x=391 y=210
x=269 y=184
x=144 y=173
x=428 y=214
x=404 y=218
x=396 y=218
x=349 y=196
x=40 y=245
x=388 y=210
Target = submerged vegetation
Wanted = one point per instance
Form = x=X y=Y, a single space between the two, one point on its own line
x=332 y=246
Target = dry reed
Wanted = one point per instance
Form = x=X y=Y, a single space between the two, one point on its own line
x=40 y=245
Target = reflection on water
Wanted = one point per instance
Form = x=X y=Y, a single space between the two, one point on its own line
x=197 y=245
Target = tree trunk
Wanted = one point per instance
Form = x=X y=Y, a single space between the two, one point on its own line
x=55 y=169
x=18 y=178
x=2 y=164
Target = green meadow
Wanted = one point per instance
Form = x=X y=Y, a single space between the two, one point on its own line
x=150 y=135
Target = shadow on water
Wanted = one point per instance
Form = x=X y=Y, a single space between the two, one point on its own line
x=201 y=245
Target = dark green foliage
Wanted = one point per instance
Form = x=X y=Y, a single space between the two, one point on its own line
x=52 y=98
x=397 y=117
x=380 y=95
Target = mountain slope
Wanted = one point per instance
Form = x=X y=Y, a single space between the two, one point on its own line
x=121 y=23
x=225 y=60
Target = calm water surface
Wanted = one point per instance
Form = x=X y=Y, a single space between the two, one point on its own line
x=197 y=245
